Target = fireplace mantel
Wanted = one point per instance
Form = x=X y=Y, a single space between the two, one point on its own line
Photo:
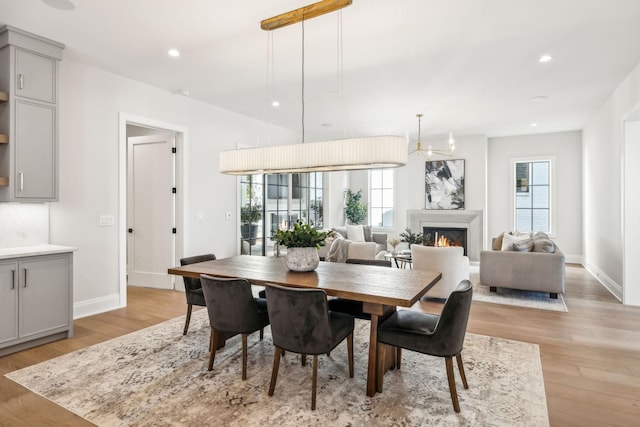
x=472 y=220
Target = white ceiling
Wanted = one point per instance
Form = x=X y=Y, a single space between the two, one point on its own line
x=470 y=66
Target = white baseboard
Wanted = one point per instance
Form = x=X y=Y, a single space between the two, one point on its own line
x=96 y=306
x=573 y=259
x=614 y=288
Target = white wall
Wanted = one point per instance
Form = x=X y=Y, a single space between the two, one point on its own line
x=602 y=202
x=565 y=147
x=90 y=102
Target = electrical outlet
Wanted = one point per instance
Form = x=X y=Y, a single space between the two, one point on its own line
x=107 y=220
x=199 y=217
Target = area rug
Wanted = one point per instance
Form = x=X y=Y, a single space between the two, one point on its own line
x=517 y=297
x=158 y=377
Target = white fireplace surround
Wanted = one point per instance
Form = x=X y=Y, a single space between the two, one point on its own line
x=471 y=220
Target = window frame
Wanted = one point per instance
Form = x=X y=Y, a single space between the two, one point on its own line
x=370 y=198
x=552 y=189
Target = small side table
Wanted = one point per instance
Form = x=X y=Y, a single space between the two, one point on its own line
x=402 y=259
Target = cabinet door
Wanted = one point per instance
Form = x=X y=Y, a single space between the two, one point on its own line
x=44 y=295
x=35 y=151
x=36 y=76
x=8 y=301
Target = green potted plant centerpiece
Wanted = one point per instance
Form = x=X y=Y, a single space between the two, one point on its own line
x=302 y=244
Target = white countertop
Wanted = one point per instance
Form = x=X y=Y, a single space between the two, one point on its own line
x=6 y=253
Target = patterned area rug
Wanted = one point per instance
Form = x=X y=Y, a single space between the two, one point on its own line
x=529 y=299
x=157 y=376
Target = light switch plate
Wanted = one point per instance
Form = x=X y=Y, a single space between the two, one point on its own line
x=107 y=220
x=227 y=215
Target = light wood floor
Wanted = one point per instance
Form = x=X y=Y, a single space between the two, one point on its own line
x=590 y=355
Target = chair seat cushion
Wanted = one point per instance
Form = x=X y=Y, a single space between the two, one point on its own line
x=195 y=297
x=354 y=308
x=409 y=329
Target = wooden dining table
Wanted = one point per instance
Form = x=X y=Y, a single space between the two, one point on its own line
x=380 y=289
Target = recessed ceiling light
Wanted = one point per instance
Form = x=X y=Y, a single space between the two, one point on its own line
x=275 y=104
x=174 y=53
x=534 y=125
x=539 y=98
x=60 y=4
x=545 y=58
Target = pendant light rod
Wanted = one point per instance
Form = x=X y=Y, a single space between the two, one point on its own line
x=306 y=12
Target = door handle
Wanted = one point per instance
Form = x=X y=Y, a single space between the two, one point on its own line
x=20 y=81
x=21 y=179
x=13 y=279
x=25 y=277
x=130 y=230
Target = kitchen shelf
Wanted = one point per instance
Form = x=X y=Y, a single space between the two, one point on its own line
x=4 y=181
x=4 y=138
x=4 y=96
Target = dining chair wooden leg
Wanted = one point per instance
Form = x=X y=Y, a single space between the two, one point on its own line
x=314 y=382
x=261 y=333
x=303 y=357
x=398 y=357
x=186 y=323
x=461 y=369
x=212 y=351
x=381 y=362
x=274 y=370
x=452 y=383
x=350 y=353
x=244 y=356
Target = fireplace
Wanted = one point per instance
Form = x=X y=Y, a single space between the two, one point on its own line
x=469 y=219
x=445 y=236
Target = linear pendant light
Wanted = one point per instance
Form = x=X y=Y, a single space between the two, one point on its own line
x=375 y=152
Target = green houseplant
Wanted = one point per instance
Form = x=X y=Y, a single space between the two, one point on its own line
x=302 y=244
x=354 y=210
x=411 y=238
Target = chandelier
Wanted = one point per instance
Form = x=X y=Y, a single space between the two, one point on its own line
x=374 y=152
x=430 y=151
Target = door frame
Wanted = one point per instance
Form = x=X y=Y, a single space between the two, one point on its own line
x=628 y=297
x=181 y=136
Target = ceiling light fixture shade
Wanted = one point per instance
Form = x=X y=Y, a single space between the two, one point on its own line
x=430 y=151
x=375 y=152
x=342 y=154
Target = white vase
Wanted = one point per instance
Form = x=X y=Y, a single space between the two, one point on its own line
x=302 y=259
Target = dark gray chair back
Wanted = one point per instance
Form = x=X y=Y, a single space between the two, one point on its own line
x=378 y=262
x=191 y=283
x=299 y=320
x=231 y=306
x=452 y=325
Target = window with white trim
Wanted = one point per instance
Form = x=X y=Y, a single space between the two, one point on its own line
x=532 y=195
x=381 y=182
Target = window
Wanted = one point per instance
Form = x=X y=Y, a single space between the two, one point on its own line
x=532 y=195
x=381 y=197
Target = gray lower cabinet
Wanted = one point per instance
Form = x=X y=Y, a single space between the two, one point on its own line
x=35 y=301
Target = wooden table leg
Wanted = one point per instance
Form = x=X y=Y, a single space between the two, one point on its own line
x=378 y=313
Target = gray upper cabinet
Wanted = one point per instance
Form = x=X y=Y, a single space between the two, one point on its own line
x=28 y=116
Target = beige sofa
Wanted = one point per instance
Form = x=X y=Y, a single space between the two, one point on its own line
x=531 y=271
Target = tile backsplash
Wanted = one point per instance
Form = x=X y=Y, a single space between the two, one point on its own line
x=23 y=224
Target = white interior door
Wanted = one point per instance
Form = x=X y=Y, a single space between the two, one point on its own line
x=631 y=226
x=150 y=210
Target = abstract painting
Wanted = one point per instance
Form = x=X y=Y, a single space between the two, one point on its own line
x=444 y=181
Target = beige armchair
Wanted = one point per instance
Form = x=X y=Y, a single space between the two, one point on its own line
x=450 y=261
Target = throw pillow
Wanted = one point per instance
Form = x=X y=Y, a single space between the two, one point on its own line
x=355 y=233
x=497 y=243
x=544 y=245
x=340 y=230
x=523 y=246
x=366 y=229
x=508 y=240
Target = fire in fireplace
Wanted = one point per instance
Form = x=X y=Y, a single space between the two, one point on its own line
x=445 y=236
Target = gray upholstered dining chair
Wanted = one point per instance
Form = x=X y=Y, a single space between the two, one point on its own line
x=302 y=323
x=193 y=287
x=232 y=310
x=441 y=335
x=351 y=307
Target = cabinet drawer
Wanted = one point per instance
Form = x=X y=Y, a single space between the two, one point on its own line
x=35 y=76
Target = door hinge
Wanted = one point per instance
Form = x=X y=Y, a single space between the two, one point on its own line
x=174 y=230
x=173 y=190
x=173 y=150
